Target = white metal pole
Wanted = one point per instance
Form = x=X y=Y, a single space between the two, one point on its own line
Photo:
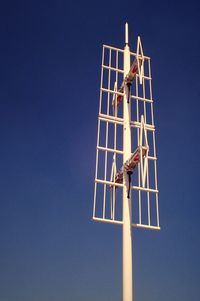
x=127 y=289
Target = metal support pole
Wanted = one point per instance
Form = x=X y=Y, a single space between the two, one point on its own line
x=127 y=290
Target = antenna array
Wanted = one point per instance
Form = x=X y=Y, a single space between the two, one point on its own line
x=108 y=195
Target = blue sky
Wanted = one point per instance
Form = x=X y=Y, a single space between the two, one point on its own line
x=50 y=56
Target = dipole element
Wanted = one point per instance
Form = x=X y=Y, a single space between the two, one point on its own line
x=127 y=290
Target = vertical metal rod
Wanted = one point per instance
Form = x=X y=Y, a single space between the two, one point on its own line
x=138 y=134
x=148 y=197
x=98 y=132
x=157 y=211
x=107 y=129
x=154 y=147
x=127 y=218
x=115 y=137
x=97 y=159
x=145 y=120
x=144 y=95
x=150 y=90
x=126 y=33
x=101 y=84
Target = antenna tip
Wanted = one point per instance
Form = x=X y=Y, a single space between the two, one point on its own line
x=126 y=33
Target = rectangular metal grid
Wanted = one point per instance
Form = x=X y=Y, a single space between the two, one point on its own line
x=109 y=154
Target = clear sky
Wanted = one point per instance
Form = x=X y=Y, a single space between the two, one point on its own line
x=50 y=56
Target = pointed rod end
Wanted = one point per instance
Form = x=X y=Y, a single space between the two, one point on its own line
x=126 y=33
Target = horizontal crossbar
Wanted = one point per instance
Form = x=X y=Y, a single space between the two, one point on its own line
x=117 y=222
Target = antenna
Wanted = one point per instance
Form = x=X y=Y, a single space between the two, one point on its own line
x=126 y=190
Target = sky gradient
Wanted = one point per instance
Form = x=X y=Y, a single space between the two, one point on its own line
x=50 y=56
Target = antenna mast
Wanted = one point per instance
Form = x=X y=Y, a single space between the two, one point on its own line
x=127 y=212
x=126 y=139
